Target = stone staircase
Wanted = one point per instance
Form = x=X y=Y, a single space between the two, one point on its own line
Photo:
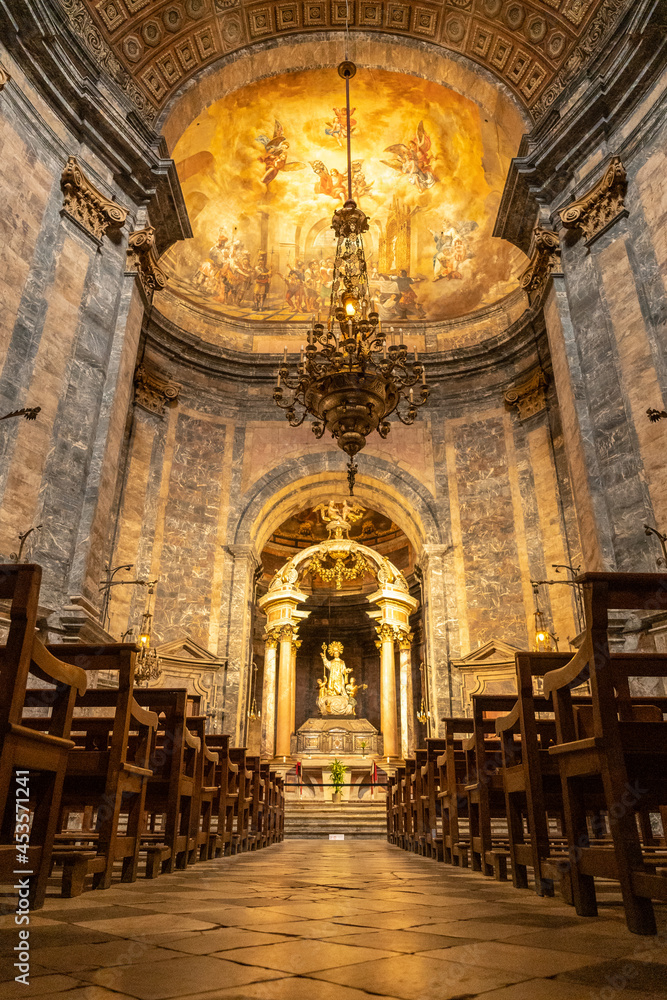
x=315 y=819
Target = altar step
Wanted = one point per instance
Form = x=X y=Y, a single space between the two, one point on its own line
x=316 y=820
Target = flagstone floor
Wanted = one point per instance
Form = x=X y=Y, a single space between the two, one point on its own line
x=314 y=920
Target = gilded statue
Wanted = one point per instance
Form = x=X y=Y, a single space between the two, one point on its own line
x=338 y=672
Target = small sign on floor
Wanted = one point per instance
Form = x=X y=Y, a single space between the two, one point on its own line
x=336 y=836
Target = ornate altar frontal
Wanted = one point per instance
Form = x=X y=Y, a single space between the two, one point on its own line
x=343 y=736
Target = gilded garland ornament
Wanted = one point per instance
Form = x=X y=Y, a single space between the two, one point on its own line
x=340 y=571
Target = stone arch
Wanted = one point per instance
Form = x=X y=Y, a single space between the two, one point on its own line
x=313 y=478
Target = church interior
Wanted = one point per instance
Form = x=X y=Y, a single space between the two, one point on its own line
x=333 y=540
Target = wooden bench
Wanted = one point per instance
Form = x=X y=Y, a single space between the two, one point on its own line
x=429 y=840
x=171 y=796
x=619 y=750
x=107 y=771
x=452 y=777
x=242 y=801
x=42 y=754
x=207 y=794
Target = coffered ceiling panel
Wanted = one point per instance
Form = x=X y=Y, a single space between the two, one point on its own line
x=151 y=47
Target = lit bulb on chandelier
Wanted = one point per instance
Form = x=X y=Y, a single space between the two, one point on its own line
x=350 y=304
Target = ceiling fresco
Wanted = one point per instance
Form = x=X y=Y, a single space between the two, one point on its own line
x=264 y=168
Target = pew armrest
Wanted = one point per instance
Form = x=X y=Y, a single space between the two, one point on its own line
x=57 y=670
x=571 y=675
x=143 y=716
x=507 y=723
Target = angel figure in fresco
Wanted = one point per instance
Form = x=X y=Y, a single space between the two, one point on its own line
x=451 y=249
x=332 y=183
x=338 y=521
x=337 y=128
x=360 y=186
x=414 y=159
x=275 y=154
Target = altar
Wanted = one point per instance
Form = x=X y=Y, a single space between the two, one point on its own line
x=337 y=735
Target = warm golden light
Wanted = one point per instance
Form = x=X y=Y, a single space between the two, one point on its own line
x=144 y=640
x=350 y=303
x=541 y=637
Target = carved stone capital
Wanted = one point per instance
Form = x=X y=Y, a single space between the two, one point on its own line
x=405 y=640
x=385 y=632
x=601 y=206
x=142 y=258
x=271 y=638
x=88 y=206
x=152 y=392
x=529 y=397
x=287 y=633
x=5 y=77
x=543 y=263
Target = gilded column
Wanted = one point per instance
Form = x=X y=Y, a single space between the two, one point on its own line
x=269 y=695
x=286 y=635
x=405 y=673
x=387 y=689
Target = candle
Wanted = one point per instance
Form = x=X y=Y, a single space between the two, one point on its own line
x=302 y=353
x=416 y=355
x=423 y=376
x=278 y=382
x=411 y=396
x=285 y=354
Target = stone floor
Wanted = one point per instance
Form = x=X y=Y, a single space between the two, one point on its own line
x=314 y=920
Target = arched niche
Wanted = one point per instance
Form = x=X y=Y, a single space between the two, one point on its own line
x=390 y=608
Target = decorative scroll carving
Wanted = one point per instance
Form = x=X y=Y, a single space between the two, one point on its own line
x=529 y=397
x=152 y=392
x=601 y=206
x=88 y=206
x=405 y=640
x=271 y=638
x=142 y=258
x=545 y=260
x=288 y=632
x=386 y=632
x=5 y=77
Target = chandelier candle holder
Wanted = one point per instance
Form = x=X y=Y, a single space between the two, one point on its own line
x=349 y=378
x=147 y=664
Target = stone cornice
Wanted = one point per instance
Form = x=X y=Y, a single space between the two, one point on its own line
x=601 y=206
x=617 y=81
x=59 y=65
x=86 y=205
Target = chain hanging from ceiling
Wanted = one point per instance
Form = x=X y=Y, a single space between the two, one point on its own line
x=349 y=378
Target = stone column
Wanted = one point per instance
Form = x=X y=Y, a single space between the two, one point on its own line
x=407 y=720
x=285 y=686
x=388 y=721
x=295 y=645
x=269 y=695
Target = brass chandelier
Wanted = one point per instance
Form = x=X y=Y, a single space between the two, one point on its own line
x=349 y=379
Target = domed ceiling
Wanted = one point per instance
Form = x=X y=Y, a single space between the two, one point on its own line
x=264 y=168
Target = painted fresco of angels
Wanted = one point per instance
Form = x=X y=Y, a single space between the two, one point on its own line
x=337 y=127
x=332 y=182
x=415 y=159
x=452 y=249
x=275 y=154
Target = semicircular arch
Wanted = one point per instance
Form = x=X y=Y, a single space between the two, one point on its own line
x=311 y=479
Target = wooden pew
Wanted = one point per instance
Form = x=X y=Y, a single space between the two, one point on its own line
x=107 y=771
x=226 y=778
x=413 y=769
x=484 y=786
x=42 y=754
x=280 y=808
x=172 y=793
x=242 y=802
x=392 y=809
x=452 y=779
x=531 y=780
x=206 y=801
x=429 y=841
x=618 y=749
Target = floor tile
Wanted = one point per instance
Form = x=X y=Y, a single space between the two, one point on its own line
x=414 y=977
x=623 y=974
x=525 y=962
x=178 y=977
x=291 y=989
x=153 y=923
x=296 y=958
x=118 y=951
x=397 y=940
x=223 y=938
